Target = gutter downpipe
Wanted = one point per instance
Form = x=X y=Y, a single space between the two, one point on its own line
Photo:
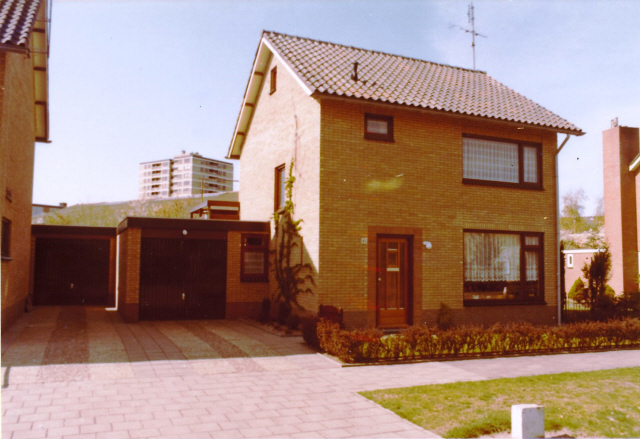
x=559 y=306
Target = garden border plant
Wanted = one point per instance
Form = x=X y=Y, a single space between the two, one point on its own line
x=370 y=345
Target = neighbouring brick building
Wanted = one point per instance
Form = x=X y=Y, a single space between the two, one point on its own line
x=23 y=121
x=418 y=183
x=621 y=162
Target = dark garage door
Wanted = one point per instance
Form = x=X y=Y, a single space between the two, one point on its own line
x=71 y=272
x=182 y=278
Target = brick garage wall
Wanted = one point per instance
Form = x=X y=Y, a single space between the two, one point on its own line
x=243 y=298
x=620 y=146
x=129 y=274
x=286 y=125
x=17 y=134
x=416 y=182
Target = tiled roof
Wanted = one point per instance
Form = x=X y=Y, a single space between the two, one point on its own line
x=327 y=68
x=17 y=18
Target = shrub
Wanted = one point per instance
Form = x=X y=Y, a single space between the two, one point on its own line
x=284 y=310
x=367 y=345
x=597 y=273
x=444 y=319
x=310 y=331
x=577 y=291
x=265 y=310
x=293 y=321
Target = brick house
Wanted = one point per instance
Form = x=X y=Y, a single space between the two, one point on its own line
x=23 y=121
x=418 y=183
x=621 y=169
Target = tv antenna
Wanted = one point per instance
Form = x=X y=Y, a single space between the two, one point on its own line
x=471 y=31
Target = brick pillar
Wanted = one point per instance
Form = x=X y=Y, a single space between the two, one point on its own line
x=620 y=147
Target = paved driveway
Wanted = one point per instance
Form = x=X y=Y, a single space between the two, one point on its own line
x=81 y=372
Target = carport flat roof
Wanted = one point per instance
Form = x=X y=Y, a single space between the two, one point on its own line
x=193 y=224
x=48 y=229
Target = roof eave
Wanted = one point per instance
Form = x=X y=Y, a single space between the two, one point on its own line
x=251 y=95
x=13 y=48
x=635 y=164
x=576 y=132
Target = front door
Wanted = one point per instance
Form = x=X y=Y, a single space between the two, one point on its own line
x=394 y=282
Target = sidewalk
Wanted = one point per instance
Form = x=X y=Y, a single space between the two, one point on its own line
x=105 y=379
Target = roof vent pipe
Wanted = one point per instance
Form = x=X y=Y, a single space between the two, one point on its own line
x=354 y=75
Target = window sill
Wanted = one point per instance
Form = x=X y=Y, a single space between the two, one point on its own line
x=254 y=280
x=7 y=258
x=480 y=302
x=379 y=138
x=502 y=184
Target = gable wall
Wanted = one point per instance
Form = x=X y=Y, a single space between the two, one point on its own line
x=285 y=126
x=17 y=136
x=414 y=186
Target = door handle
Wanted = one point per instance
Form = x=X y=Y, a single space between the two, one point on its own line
x=72 y=286
x=183 y=296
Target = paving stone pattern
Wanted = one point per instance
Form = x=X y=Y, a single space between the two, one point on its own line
x=82 y=373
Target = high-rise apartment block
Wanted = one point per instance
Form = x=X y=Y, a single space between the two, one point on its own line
x=185 y=175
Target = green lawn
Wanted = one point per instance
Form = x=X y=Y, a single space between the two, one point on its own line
x=595 y=404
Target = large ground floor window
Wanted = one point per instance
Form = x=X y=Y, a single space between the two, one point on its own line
x=502 y=267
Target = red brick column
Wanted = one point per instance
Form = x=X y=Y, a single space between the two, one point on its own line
x=620 y=146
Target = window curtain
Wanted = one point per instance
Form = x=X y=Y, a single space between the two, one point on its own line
x=490 y=257
x=530 y=164
x=490 y=160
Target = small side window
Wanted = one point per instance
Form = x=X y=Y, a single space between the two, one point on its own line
x=6 y=239
x=569 y=261
x=279 y=189
x=254 y=258
x=378 y=127
x=274 y=80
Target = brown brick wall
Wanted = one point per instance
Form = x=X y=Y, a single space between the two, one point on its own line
x=620 y=146
x=17 y=134
x=285 y=126
x=243 y=298
x=415 y=183
x=129 y=274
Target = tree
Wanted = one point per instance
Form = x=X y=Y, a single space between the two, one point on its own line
x=577 y=292
x=597 y=274
x=290 y=278
x=572 y=211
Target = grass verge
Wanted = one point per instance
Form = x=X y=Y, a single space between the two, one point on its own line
x=594 y=404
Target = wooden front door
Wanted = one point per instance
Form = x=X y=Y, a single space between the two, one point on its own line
x=394 y=282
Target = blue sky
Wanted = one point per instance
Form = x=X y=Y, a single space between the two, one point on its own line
x=134 y=81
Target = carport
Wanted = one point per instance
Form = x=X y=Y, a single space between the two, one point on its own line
x=73 y=265
x=177 y=269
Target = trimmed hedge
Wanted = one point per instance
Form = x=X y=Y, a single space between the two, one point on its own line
x=423 y=342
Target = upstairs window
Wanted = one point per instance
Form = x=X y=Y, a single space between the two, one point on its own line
x=502 y=268
x=279 y=189
x=255 y=258
x=6 y=239
x=274 y=80
x=378 y=127
x=501 y=162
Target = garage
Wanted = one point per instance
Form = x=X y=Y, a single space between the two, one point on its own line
x=190 y=269
x=73 y=265
x=182 y=278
